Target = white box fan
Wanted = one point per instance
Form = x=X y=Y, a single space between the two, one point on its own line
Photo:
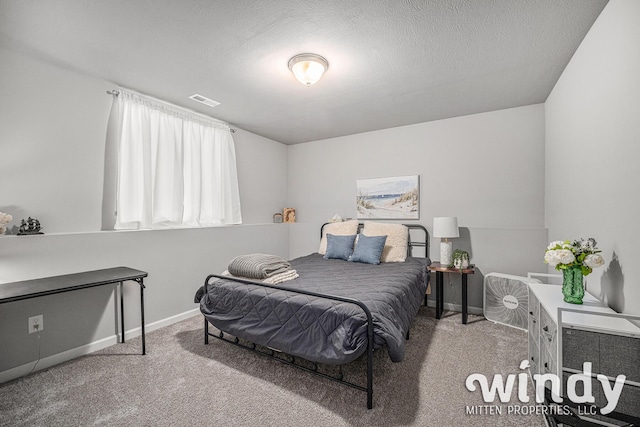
x=506 y=299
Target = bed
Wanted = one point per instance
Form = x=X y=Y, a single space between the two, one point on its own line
x=334 y=312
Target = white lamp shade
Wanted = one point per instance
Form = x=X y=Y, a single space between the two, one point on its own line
x=445 y=227
x=308 y=67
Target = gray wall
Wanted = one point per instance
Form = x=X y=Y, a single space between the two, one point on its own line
x=53 y=126
x=177 y=262
x=486 y=169
x=592 y=151
x=52 y=139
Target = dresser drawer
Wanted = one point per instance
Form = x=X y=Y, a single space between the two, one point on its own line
x=534 y=357
x=627 y=404
x=534 y=333
x=548 y=330
x=620 y=355
x=579 y=347
x=534 y=319
x=534 y=306
x=548 y=361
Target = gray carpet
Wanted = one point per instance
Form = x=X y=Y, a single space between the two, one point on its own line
x=182 y=382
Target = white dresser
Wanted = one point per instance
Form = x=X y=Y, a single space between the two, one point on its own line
x=595 y=334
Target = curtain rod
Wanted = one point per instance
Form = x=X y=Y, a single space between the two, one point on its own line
x=116 y=93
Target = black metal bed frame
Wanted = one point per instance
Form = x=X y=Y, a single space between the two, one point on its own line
x=292 y=362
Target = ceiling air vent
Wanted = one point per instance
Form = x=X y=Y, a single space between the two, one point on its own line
x=204 y=100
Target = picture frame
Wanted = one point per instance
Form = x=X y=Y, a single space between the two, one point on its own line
x=289 y=215
x=388 y=198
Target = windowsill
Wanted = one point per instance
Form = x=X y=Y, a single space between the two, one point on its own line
x=71 y=233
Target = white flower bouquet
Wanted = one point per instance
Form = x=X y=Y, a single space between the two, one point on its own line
x=5 y=219
x=578 y=253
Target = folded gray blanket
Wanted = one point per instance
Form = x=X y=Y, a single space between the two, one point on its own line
x=285 y=276
x=257 y=266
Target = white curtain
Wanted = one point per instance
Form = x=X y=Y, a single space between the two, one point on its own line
x=175 y=168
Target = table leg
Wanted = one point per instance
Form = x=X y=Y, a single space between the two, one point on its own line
x=464 y=299
x=439 y=294
x=142 y=314
x=121 y=312
x=428 y=284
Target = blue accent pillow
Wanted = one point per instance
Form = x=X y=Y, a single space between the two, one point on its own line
x=339 y=247
x=368 y=249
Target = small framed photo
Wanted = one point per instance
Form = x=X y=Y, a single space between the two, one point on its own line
x=289 y=214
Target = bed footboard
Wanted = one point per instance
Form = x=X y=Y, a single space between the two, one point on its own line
x=368 y=389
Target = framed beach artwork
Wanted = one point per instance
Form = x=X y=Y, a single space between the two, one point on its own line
x=388 y=198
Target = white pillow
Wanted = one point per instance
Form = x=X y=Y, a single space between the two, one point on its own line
x=395 y=248
x=345 y=228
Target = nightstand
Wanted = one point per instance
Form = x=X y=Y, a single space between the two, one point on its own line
x=440 y=270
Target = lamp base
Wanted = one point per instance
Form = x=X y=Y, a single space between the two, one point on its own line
x=446 y=253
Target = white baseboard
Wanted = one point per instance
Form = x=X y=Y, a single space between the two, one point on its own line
x=457 y=307
x=136 y=332
x=47 y=362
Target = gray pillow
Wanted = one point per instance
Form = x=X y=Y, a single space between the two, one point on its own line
x=368 y=249
x=339 y=247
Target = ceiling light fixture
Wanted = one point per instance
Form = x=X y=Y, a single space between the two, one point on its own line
x=308 y=67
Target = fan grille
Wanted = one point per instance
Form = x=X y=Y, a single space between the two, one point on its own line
x=506 y=299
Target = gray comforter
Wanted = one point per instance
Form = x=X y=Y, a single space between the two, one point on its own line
x=318 y=329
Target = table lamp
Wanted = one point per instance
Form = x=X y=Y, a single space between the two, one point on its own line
x=445 y=227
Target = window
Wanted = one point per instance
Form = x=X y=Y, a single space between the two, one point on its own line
x=175 y=168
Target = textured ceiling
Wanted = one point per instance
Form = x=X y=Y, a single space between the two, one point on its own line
x=392 y=62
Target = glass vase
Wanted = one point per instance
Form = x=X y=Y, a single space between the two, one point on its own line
x=573 y=285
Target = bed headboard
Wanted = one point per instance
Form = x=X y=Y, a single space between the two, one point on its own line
x=421 y=242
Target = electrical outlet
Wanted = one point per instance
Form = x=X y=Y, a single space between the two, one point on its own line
x=36 y=323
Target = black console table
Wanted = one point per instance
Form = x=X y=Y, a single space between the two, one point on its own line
x=17 y=291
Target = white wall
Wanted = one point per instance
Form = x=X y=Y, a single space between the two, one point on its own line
x=53 y=125
x=592 y=151
x=262 y=176
x=52 y=140
x=486 y=169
